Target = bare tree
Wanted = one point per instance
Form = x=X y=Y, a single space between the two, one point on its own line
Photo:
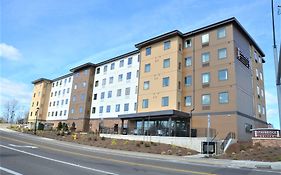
x=11 y=108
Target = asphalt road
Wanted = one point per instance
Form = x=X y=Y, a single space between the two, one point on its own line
x=26 y=154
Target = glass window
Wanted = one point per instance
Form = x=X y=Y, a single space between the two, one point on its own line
x=257 y=72
x=105 y=68
x=127 y=91
x=119 y=92
x=165 y=81
x=262 y=94
x=223 y=74
x=187 y=101
x=120 y=77
x=188 y=61
x=130 y=60
x=205 y=57
x=98 y=70
x=80 y=109
x=75 y=86
x=84 y=84
x=261 y=75
x=110 y=80
x=147 y=68
x=165 y=101
x=258 y=90
x=148 y=51
x=167 y=45
x=112 y=66
x=146 y=85
x=188 y=80
x=95 y=96
x=103 y=82
x=65 y=81
x=126 y=107
x=101 y=109
x=74 y=98
x=96 y=83
x=102 y=95
x=263 y=110
x=145 y=103
x=66 y=101
x=223 y=97
x=86 y=72
x=222 y=53
x=72 y=111
x=82 y=97
x=206 y=99
x=259 y=108
x=166 y=63
x=109 y=94
x=62 y=102
x=117 y=108
x=135 y=106
x=221 y=33
x=205 y=39
x=68 y=90
x=93 y=110
x=108 y=108
x=206 y=78
x=188 y=43
x=121 y=63
x=65 y=111
x=129 y=74
x=69 y=79
x=63 y=92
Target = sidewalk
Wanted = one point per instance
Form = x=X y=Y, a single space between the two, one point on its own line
x=198 y=159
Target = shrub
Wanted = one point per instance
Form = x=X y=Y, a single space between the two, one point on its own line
x=126 y=142
x=137 y=144
x=147 y=144
x=113 y=142
x=102 y=138
x=72 y=128
x=59 y=127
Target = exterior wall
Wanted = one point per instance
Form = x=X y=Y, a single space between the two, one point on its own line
x=156 y=90
x=106 y=123
x=40 y=98
x=80 y=100
x=60 y=99
x=131 y=99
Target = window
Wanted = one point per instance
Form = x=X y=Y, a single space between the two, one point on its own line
x=103 y=82
x=51 y=94
x=117 y=108
x=119 y=92
x=50 y=104
x=137 y=74
x=257 y=73
x=58 y=93
x=188 y=43
x=167 y=45
x=105 y=68
x=166 y=63
x=263 y=110
x=120 y=77
x=69 y=79
x=38 y=103
x=72 y=110
x=63 y=92
x=205 y=78
x=222 y=53
x=179 y=66
x=109 y=94
x=86 y=72
x=147 y=68
x=127 y=91
x=145 y=103
x=95 y=96
x=65 y=81
x=75 y=86
x=223 y=74
x=205 y=39
x=55 y=93
x=54 y=103
x=129 y=74
x=258 y=90
x=80 y=109
x=58 y=82
x=261 y=75
x=126 y=107
x=84 y=84
x=165 y=81
x=221 y=33
x=82 y=97
x=188 y=61
x=68 y=90
x=188 y=80
x=136 y=90
x=66 y=101
x=223 y=97
x=262 y=94
x=62 y=102
x=30 y=113
x=135 y=106
x=112 y=66
x=165 y=101
x=93 y=110
x=146 y=85
x=74 y=98
x=259 y=108
x=187 y=101
x=98 y=70
x=101 y=109
x=148 y=51
x=102 y=95
x=57 y=103
x=130 y=60
x=206 y=99
x=256 y=56
x=110 y=80
x=64 y=113
x=96 y=83
x=108 y=108
x=121 y=63
x=205 y=57
x=77 y=74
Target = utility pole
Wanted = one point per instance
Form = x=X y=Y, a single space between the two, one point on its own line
x=275 y=54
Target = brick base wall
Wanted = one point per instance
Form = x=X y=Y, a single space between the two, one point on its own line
x=268 y=142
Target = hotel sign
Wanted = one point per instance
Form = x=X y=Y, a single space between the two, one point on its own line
x=266 y=133
x=242 y=58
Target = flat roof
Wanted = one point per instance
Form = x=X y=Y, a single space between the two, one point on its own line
x=63 y=76
x=154 y=114
x=82 y=66
x=200 y=30
x=39 y=80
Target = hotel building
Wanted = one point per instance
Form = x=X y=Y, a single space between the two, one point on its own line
x=170 y=85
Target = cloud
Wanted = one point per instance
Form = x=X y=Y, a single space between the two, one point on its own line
x=9 y=52
x=271 y=99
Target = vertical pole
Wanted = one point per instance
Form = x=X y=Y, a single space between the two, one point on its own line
x=208 y=134
x=35 y=127
x=275 y=54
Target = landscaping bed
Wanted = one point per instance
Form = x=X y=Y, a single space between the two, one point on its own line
x=248 y=151
x=93 y=139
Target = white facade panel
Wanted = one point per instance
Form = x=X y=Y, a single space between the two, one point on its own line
x=60 y=99
x=114 y=80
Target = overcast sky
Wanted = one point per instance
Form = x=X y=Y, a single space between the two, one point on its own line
x=45 y=38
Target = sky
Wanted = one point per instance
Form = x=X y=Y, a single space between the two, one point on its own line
x=46 y=38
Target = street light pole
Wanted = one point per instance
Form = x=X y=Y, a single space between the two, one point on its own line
x=35 y=127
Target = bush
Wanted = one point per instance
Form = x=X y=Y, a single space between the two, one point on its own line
x=72 y=128
x=102 y=138
x=147 y=144
x=126 y=142
x=113 y=142
x=138 y=144
x=59 y=127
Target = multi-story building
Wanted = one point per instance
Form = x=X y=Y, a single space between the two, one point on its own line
x=115 y=90
x=59 y=99
x=173 y=82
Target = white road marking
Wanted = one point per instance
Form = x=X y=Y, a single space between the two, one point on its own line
x=44 y=138
x=10 y=171
x=59 y=161
x=23 y=146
